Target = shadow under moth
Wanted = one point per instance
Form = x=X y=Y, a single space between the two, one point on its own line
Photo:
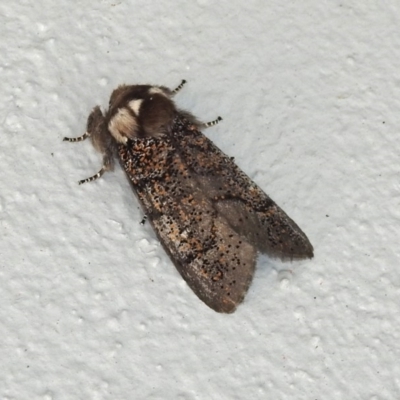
x=210 y=217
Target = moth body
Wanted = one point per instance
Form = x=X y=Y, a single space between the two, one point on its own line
x=211 y=219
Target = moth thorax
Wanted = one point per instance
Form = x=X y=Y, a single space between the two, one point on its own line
x=150 y=116
x=156 y=115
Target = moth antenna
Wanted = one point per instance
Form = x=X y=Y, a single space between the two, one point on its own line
x=94 y=177
x=177 y=89
x=211 y=123
x=77 y=139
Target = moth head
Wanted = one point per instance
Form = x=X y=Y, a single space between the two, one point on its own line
x=140 y=111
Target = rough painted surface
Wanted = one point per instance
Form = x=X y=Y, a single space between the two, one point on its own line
x=92 y=307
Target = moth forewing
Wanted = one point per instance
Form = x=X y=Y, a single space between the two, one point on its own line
x=208 y=214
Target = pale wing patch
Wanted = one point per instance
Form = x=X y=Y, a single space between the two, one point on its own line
x=134 y=105
x=157 y=90
x=123 y=125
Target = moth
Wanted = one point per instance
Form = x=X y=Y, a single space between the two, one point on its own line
x=210 y=217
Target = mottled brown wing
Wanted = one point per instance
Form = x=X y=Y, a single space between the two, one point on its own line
x=209 y=216
x=216 y=261
x=247 y=209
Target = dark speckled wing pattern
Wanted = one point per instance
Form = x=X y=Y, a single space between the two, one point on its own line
x=210 y=217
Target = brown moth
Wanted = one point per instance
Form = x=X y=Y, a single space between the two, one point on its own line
x=210 y=217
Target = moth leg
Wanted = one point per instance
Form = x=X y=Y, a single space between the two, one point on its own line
x=101 y=139
x=108 y=165
x=196 y=122
x=93 y=125
x=77 y=139
x=211 y=123
x=178 y=88
x=92 y=178
x=189 y=116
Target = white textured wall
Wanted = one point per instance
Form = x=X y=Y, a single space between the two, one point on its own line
x=92 y=308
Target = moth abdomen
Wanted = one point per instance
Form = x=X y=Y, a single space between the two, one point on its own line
x=210 y=217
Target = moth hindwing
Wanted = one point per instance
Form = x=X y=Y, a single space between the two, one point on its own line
x=210 y=217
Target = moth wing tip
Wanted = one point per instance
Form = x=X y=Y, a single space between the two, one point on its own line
x=225 y=309
x=225 y=306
